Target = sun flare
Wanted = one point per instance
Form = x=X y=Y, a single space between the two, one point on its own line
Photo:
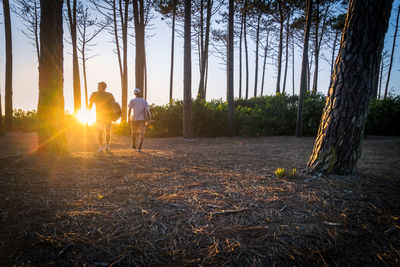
x=86 y=116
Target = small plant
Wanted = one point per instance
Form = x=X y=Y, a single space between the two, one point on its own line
x=293 y=172
x=280 y=172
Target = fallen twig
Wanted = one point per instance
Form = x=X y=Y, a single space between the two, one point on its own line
x=225 y=212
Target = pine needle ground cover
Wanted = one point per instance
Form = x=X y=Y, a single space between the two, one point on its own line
x=211 y=201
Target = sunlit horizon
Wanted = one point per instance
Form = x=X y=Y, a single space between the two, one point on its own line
x=86 y=116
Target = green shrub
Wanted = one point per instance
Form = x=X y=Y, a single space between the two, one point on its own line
x=384 y=117
x=260 y=116
x=25 y=121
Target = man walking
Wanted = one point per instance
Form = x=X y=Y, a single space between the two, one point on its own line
x=141 y=110
x=103 y=101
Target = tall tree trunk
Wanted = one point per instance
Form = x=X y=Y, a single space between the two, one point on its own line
x=240 y=56
x=264 y=65
x=145 y=74
x=171 y=77
x=85 y=78
x=392 y=54
x=304 y=66
x=201 y=92
x=8 y=88
x=286 y=52
x=338 y=144
x=245 y=48
x=309 y=76
x=380 y=80
x=334 y=50
x=187 y=74
x=256 y=55
x=316 y=48
x=75 y=64
x=292 y=65
x=124 y=14
x=36 y=31
x=201 y=41
x=51 y=130
x=138 y=15
x=281 y=21
x=230 y=59
x=1 y=116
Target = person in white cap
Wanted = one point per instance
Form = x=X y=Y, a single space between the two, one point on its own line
x=103 y=101
x=140 y=109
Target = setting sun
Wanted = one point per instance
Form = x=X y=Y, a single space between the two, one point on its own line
x=86 y=116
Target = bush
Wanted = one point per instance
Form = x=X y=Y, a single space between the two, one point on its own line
x=261 y=116
x=384 y=117
x=25 y=121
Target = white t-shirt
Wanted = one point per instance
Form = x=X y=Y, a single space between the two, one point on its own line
x=138 y=105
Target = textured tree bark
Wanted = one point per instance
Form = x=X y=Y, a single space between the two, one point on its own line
x=392 y=54
x=256 y=55
x=75 y=64
x=230 y=59
x=304 y=71
x=51 y=130
x=8 y=88
x=187 y=74
x=338 y=144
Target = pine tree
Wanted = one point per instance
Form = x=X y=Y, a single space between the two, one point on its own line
x=338 y=144
x=51 y=129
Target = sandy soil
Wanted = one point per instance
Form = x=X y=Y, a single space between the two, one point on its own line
x=211 y=201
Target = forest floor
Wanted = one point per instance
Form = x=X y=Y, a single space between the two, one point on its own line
x=210 y=201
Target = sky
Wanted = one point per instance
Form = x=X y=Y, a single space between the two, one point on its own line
x=104 y=67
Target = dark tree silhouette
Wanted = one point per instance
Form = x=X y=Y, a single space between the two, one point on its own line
x=8 y=87
x=392 y=54
x=304 y=71
x=187 y=74
x=51 y=100
x=204 y=47
x=116 y=13
x=338 y=144
x=85 y=39
x=1 y=116
x=246 y=52
x=230 y=59
x=169 y=8
x=280 y=46
x=139 y=21
x=29 y=12
x=72 y=22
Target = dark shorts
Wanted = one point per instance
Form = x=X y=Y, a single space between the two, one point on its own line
x=138 y=127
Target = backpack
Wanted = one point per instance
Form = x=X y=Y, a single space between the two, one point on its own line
x=147 y=116
x=116 y=111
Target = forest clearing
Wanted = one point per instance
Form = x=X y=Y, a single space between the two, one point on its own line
x=209 y=201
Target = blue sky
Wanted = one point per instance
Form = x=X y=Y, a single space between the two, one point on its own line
x=104 y=67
